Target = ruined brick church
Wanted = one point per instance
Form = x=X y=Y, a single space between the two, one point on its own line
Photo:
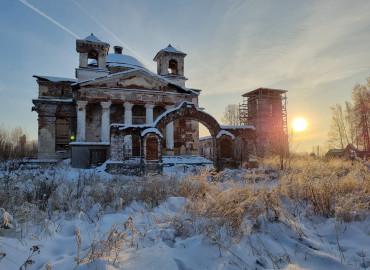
x=118 y=111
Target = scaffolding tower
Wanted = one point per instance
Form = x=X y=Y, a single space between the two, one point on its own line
x=265 y=109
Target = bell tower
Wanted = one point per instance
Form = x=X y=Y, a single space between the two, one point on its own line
x=170 y=64
x=91 y=48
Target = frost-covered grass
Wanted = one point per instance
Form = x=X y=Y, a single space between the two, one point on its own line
x=313 y=215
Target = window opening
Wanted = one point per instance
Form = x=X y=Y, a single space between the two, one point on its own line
x=172 y=67
x=62 y=138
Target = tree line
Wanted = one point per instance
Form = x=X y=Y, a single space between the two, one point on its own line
x=15 y=145
x=351 y=123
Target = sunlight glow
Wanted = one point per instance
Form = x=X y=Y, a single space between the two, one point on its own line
x=299 y=124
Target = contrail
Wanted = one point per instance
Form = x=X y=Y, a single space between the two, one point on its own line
x=134 y=52
x=47 y=17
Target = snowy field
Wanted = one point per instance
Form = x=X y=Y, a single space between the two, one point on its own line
x=314 y=215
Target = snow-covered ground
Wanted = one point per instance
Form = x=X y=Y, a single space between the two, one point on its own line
x=123 y=233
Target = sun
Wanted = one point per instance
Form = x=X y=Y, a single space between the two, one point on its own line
x=299 y=124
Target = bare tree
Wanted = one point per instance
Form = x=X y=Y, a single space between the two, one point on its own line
x=338 y=137
x=14 y=144
x=350 y=120
x=353 y=124
x=231 y=115
x=280 y=144
x=361 y=99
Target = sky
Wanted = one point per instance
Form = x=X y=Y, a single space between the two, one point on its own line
x=317 y=50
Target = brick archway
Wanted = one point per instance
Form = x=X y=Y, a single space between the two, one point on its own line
x=188 y=110
x=237 y=147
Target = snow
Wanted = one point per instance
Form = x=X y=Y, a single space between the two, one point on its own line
x=188 y=105
x=89 y=143
x=171 y=49
x=125 y=126
x=55 y=99
x=93 y=38
x=205 y=138
x=151 y=241
x=143 y=70
x=190 y=159
x=169 y=111
x=225 y=132
x=138 y=90
x=40 y=160
x=239 y=127
x=55 y=79
x=151 y=130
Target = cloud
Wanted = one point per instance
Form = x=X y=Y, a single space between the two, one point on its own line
x=48 y=18
x=298 y=46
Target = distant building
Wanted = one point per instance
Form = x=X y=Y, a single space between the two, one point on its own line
x=349 y=152
x=336 y=153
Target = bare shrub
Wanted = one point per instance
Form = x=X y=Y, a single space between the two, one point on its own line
x=218 y=209
x=150 y=189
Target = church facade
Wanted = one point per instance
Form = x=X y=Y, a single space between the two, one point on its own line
x=114 y=103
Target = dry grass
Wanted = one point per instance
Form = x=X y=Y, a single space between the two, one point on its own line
x=110 y=243
x=329 y=188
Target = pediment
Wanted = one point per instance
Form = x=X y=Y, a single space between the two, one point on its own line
x=133 y=79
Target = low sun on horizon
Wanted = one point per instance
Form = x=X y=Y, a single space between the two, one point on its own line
x=299 y=124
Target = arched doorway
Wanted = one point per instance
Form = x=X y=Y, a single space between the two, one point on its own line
x=151 y=148
x=226 y=148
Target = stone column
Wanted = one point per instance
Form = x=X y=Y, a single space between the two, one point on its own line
x=169 y=136
x=149 y=113
x=128 y=121
x=128 y=113
x=81 y=120
x=105 y=121
x=46 y=145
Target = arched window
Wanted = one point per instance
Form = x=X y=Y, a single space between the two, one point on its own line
x=172 y=67
x=62 y=138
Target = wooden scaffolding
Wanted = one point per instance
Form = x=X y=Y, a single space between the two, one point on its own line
x=265 y=109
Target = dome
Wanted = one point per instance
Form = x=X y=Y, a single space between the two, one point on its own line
x=116 y=59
